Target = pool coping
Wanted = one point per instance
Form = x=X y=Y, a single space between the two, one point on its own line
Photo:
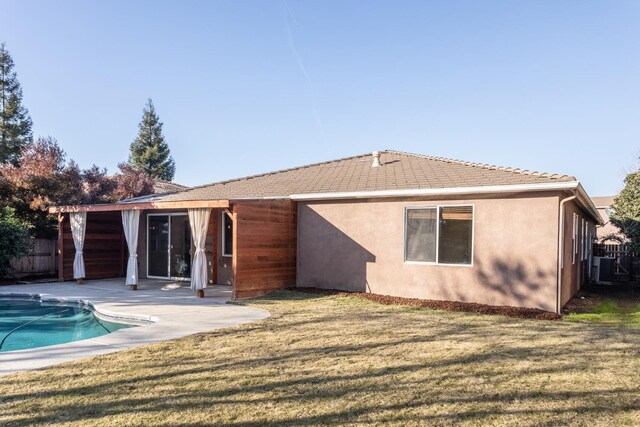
x=169 y=311
x=118 y=317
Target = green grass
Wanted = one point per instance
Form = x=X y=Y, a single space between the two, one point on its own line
x=322 y=360
x=609 y=312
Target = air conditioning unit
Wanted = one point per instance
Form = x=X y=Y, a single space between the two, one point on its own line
x=603 y=269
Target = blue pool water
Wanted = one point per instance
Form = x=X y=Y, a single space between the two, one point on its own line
x=30 y=323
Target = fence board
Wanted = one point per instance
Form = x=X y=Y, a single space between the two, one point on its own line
x=626 y=262
x=41 y=260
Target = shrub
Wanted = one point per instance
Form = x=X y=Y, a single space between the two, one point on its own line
x=15 y=239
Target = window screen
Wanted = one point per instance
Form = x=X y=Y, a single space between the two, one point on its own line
x=456 y=228
x=421 y=232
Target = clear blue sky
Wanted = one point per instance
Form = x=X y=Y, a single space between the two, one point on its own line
x=251 y=86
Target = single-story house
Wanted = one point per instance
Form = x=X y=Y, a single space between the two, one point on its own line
x=387 y=222
x=608 y=233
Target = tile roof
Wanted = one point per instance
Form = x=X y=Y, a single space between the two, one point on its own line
x=603 y=201
x=398 y=171
x=160 y=187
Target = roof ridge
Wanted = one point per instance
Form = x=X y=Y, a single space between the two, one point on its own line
x=243 y=178
x=485 y=165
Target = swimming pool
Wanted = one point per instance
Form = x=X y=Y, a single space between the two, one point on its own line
x=29 y=323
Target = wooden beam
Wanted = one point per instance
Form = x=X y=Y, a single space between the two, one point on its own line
x=60 y=248
x=229 y=213
x=140 y=206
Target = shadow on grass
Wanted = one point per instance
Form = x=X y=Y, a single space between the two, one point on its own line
x=318 y=361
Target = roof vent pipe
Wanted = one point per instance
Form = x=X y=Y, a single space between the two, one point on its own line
x=376 y=159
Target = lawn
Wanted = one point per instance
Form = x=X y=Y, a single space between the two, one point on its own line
x=609 y=312
x=333 y=359
x=617 y=304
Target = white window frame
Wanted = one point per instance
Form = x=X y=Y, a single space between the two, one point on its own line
x=438 y=208
x=224 y=218
x=575 y=238
x=584 y=239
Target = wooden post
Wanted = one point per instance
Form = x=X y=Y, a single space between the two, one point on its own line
x=60 y=247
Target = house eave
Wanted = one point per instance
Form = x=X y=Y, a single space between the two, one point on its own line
x=485 y=189
x=462 y=191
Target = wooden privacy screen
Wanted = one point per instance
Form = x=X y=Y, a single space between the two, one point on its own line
x=264 y=246
x=105 y=251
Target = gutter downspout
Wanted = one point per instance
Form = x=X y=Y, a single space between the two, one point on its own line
x=561 y=254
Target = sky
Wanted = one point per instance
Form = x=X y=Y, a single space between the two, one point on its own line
x=245 y=87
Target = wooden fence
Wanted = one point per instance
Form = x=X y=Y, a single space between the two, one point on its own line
x=41 y=261
x=626 y=262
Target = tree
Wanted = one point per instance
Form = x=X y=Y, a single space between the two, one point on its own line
x=97 y=186
x=149 y=152
x=626 y=210
x=15 y=240
x=15 y=122
x=131 y=182
x=43 y=179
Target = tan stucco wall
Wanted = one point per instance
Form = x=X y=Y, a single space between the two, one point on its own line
x=359 y=246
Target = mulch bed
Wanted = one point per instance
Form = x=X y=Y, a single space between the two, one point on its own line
x=467 y=307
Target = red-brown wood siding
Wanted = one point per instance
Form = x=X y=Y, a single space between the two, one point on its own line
x=264 y=247
x=105 y=253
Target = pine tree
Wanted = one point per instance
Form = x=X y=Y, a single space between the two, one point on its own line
x=15 y=123
x=149 y=152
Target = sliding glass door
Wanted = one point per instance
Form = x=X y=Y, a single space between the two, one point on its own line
x=168 y=246
x=158 y=245
x=180 y=250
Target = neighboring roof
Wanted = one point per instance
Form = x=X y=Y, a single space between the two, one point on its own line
x=398 y=171
x=602 y=202
x=160 y=187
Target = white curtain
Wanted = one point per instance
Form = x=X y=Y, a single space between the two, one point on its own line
x=130 y=223
x=78 y=222
x=199 y=221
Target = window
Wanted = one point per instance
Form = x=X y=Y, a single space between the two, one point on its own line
x=585 y=239
x=442 y=235
x=575 y=238
x=421 y=229
x=227 y=235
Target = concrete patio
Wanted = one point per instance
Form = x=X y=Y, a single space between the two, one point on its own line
x=172 y=309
